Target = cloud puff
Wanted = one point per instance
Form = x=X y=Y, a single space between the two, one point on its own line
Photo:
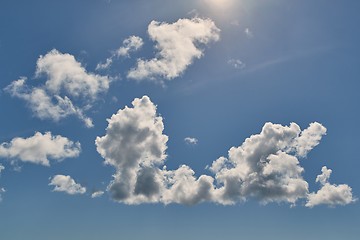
x=40 y=148
x=191 y=141
x=248 y=33
x=66 y=184
x=130 y=44
x=265 y=166
x=178 y=45
x=97 y=194
x=330 y=194
x=66 y=81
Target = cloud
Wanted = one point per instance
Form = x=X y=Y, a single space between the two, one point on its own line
x=236 y=63
x=1 y=168
x=248 y=33
x=134 y=145
x=2 y=190
x=97 y=194
x=130 y=44
x=66 y=81
x=330 y=194
x=264 y=167
x=39 y=148
x=191 y=141
x=66 y=184
x=178 y=45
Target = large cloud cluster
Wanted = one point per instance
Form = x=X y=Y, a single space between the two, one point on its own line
x=66 y=81
x=177 y=44
x=265 y=167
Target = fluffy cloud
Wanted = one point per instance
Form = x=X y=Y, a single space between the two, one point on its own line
x=265 y=166
x=66 y=184
x=40 y=148
x=66 y=81
x=178 y=45
x=131 y=44
x=190 y=140
x=134 y=145
x=97 y=194
x=330 y=194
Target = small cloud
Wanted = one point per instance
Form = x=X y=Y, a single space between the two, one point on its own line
x=97 y=194
x=130 y=44
x=248 y=33
x=39 y=148
x=236 y=63
x=191 y=141
x=66 y=184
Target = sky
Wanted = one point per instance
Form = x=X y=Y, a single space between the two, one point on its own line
x=199 y=119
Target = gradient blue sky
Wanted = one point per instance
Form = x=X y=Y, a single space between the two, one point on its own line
x=299 y=63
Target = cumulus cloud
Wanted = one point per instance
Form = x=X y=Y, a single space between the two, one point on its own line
x=330 y=194
x=265 y=166
x=66 y=81
x=130 y=44
x=178 y=44
x=97 y=194
x=66 y=184
x=40 y=148
x=191 y=140
x=236 y=63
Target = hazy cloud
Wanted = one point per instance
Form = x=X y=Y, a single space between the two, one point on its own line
x=236 y=63
x=131 y=44
x=40 y=148
x=66 y=184
x=178 y=45
x=248 y=33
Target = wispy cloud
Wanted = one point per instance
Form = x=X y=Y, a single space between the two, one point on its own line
x=191 y=140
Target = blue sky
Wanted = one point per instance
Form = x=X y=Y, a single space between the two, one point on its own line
x=252 y=106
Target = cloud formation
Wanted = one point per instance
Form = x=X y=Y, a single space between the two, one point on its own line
x=178 y=45
x=130 y=44
x=66 y=184
x=40 y=148
x=97 y=194
x=330 y=194
x=66 y=81
x=191 y=140
x=264 y=167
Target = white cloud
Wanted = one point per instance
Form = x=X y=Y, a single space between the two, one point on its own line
x=97 y=194
x=66 y=184
x=236 y=63
x=178 y=45
x=130 y=44
x=191 y=140
x=134 y=145
x=330 y=194
x=66 y=82
x=264 y=167
x=40 y=148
